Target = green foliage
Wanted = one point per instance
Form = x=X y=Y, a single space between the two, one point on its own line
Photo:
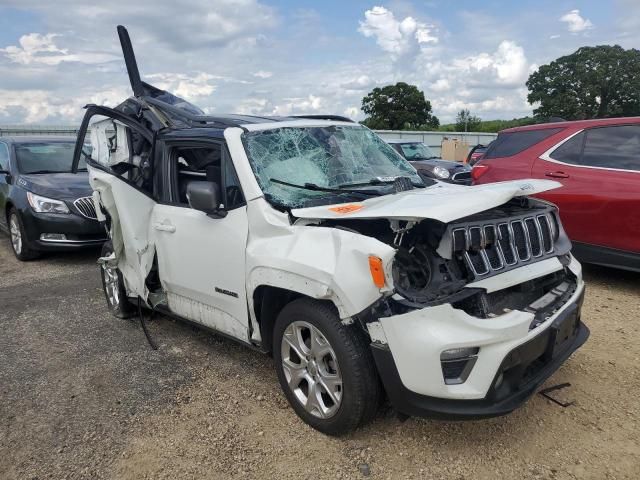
x=593 y=82
x=465 y=122
x=398 y=107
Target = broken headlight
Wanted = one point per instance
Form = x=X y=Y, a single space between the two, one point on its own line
x=421 y=275
x=46 y=205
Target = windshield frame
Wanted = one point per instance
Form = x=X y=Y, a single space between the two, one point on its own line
x=326 y=192
x=17 y=146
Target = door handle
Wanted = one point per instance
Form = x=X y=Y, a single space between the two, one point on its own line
x=557 y=174
x=164 y=227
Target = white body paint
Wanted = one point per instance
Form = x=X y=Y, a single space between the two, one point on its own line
x=257 y=245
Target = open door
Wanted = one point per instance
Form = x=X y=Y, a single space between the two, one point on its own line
x=117 y=152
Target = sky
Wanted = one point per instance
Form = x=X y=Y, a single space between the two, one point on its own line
x=270 y=57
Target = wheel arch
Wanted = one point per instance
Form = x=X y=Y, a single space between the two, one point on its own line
x=268 y=301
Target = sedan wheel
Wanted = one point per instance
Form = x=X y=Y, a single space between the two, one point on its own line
x=16 y=234
x=311 y=369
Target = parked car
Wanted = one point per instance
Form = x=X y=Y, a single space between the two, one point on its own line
x=476 y=153
x=598 y=164
x=430 y=165
x=312 y=240
x=43 y=206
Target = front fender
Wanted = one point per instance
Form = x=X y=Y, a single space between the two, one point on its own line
x=320 y=262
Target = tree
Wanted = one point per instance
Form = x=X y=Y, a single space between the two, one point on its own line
x=592 y=82
x=398 y=107
x=465 y=122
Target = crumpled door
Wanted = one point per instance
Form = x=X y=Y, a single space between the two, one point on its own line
x=116 y=151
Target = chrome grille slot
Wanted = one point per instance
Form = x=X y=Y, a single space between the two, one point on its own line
x=546 y=232
x=86 y=207
x=489 y=247
x=535 y=238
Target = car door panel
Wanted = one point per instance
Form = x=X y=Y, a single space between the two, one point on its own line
x=599 y=206
x=201 y=261
x=129 y=207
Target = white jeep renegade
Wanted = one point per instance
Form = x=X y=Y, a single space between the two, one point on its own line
x=311 y=239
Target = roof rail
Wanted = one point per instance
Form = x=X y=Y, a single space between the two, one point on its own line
x=337 y=118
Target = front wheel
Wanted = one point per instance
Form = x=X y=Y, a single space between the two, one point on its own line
x=325 y=368
x=18 y=238
x=113 y=286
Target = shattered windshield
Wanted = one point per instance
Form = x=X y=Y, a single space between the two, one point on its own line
x=417 y=151
x=295 y=166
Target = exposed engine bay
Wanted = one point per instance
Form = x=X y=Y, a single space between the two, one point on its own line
x=438 y=263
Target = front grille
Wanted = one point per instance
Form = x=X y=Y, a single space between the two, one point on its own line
x=493 y=246
x=86 y=207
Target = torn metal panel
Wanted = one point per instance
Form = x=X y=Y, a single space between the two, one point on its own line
x=130 y=212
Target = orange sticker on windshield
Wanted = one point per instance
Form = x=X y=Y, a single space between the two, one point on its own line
x=346 y=208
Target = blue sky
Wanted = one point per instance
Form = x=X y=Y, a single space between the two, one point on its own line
x=293 y=57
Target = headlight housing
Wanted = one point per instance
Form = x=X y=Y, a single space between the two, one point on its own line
x=441 y=172
x=46 y=205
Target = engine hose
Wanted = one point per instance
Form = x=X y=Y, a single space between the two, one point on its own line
x=144 y=325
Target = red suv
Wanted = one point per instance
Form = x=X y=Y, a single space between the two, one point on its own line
x=598 y=164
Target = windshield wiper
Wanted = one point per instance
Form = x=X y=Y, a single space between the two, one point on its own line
x=318 y=188
x=374 y=182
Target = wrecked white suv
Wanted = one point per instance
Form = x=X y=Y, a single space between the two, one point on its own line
x=313 y=240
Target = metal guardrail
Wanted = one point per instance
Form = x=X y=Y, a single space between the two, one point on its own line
x=20 y=130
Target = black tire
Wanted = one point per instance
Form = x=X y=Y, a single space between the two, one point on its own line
x=121 y=307
x=22 y=252
x=360 y=389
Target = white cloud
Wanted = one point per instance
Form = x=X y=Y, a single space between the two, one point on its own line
x=33 y=106
x=185 y=86
x=263 y=74
x=351 y=112
x=575 y=22
x=303 y=105
x=394 y=36
x=507 y=65
x=41 y=49
x=441 y=85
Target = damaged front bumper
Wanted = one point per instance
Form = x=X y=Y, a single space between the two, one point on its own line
x=507 y=360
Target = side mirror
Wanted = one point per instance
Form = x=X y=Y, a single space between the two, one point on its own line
x=205 y=196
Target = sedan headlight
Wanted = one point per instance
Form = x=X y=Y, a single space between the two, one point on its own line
x=441 y=172
x=46 y=205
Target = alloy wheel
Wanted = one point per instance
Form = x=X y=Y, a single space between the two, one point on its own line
x=16 y=234
x=111 y=285
x=311 y=369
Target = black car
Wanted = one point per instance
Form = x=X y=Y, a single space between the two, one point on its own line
x=43 y=206
x=429 y=165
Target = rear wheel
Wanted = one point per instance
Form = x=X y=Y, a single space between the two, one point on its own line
x=113 y=286
x=325 y=368
x=18 y=238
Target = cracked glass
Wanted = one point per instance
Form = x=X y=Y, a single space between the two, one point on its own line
x=331 y=157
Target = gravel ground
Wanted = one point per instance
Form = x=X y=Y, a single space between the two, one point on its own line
x=83 y=396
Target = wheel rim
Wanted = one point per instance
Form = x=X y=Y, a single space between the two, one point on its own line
x=311 y=369
x=111 y=285
x=16 y=234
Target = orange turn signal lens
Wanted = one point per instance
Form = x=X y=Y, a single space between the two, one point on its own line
x=377 y=271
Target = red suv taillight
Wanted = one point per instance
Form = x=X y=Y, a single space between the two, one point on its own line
x=478 y=170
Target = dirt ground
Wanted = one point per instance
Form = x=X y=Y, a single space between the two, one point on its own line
x=83 y=396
